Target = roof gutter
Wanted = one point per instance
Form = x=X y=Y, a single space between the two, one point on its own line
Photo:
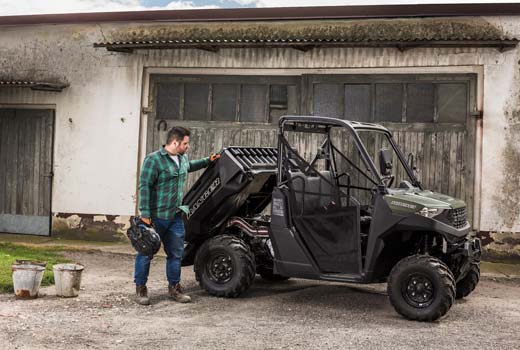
x=303 y=45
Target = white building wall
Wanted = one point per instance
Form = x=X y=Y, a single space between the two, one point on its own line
x=98 y=116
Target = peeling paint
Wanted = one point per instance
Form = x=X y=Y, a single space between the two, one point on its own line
x=49 y=57
x=485 y=237
x=507 y=197
x=500 y=246
x=90 y=226
x=100 y=218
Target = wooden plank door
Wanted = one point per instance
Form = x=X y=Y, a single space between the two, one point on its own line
x=26 y=137
x=430 y=117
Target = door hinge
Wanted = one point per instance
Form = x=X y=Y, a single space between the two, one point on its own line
x=146 y=110
x=49 y=174
x=477 y=114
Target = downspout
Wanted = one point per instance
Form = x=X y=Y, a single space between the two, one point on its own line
x=478 y=172
x=143 y=127
x=479 y=135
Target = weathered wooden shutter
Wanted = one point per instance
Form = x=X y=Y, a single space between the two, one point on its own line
x=25 y=170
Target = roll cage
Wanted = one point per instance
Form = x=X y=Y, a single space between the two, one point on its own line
x=323 y=125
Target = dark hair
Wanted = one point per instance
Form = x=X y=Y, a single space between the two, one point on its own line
x=177 y=133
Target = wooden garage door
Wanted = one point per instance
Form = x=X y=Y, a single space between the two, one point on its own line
x=430 y=117
x=25 y=170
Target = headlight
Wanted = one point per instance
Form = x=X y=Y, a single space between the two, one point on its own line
x=430 y=213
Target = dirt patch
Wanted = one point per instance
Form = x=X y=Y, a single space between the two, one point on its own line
x=296 y=314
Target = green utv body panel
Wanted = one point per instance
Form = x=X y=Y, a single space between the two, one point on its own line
x=413 y=201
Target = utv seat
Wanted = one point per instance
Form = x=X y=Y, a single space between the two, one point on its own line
x=313 y=194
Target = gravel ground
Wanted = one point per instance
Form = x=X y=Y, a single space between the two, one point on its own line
x=296 y=314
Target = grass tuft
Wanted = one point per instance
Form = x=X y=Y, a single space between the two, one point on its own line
x=10 y=252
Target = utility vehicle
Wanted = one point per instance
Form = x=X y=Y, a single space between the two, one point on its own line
x=335 y=201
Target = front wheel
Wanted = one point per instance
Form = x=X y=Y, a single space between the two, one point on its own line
x=421 y=288
x=225 y=266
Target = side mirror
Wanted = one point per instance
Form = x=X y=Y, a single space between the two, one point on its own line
x=385 y=162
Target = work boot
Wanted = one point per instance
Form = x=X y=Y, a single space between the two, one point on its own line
x=141 y=293
x=175 y=293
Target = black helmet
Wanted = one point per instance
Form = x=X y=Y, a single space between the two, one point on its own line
x=144 y=238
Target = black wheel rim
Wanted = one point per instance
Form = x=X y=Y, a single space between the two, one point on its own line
x=220 y=267
x=418 y=290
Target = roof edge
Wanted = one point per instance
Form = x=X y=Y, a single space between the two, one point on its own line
x=304 y=45
x=272 y=14
x=34 y=85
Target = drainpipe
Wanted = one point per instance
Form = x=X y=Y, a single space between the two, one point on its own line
x=478 y=171
x=143 y=127
x=478 y=114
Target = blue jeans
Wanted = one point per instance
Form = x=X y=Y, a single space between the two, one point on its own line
x=172 y=237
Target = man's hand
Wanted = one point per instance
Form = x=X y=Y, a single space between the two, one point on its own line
x=214 y=157
x=147 y=221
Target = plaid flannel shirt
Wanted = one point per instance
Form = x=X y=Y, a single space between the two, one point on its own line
x=161 y=183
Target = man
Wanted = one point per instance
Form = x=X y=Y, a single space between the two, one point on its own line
x=163 y=175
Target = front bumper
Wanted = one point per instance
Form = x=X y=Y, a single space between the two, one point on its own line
x=473 y=249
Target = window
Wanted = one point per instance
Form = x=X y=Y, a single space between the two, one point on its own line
x=358 y=102
x=283 y=100
x=389 y=102
x=224 y=102
x=452 y=105
x=253 y=103
x=328 y=100
x=196 y=101
x=168 y=100
x=264 y=99
x=393 y=98
x=420 y=103
x=247 y=99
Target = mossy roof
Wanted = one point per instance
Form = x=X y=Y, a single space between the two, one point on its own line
x=375 y=31
x=351 y=30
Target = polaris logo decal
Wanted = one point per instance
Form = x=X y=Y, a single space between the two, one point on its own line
x=214 y=185
x=404 y=205
x=277 y=208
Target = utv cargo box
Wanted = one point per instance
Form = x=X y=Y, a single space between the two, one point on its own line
x=239 y=184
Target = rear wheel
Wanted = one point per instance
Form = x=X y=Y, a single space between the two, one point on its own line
x=467 y=285
x=421 y=288
x=224 y=266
